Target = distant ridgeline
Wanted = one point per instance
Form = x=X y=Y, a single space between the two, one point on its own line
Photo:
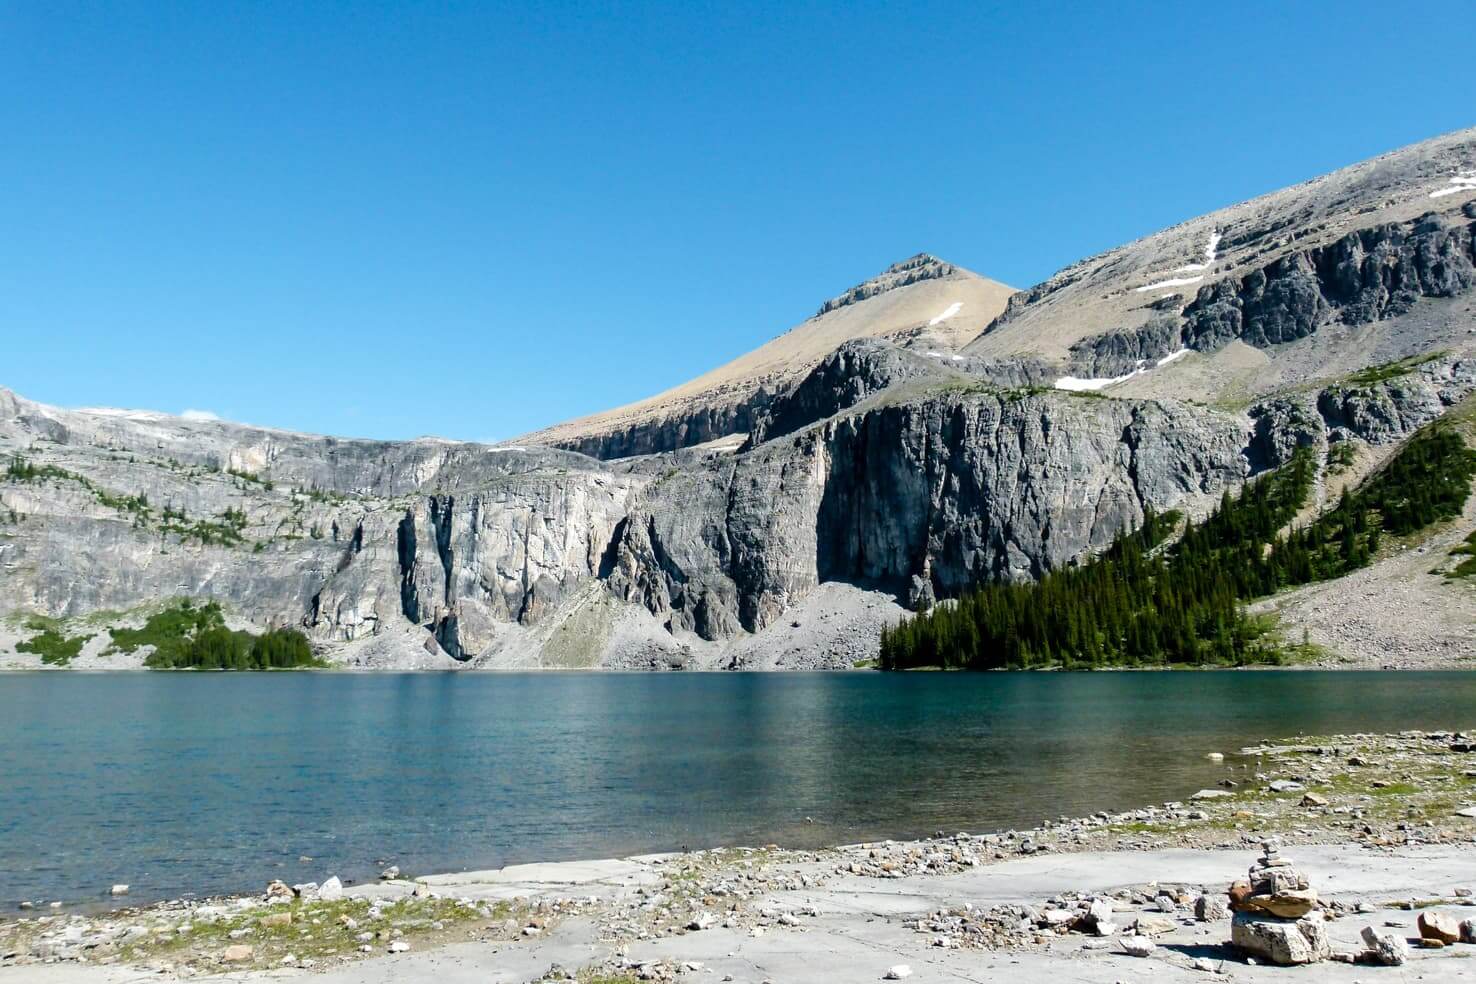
x=1141 y=603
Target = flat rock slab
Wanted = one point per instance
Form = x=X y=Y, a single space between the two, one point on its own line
x=621 y=872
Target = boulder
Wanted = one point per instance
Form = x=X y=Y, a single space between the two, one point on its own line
x=1468 y=931
x=1312 y=799
x=1439 y=926
x=236 y=953
x=278 y=889
x=120 y=890
x=1282 y=942
x=331 y=890
x=1209 y=908
x=1384 y=949
x=897 y=973
x=276 y=919
x=1137 y=946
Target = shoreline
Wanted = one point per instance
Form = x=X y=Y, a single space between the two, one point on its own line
x=1392 y=817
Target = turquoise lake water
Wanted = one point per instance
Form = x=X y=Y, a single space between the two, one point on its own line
x=206 y=783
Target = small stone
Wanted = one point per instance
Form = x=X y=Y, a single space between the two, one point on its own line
x=238 y=953
x=120 y=890
x=1137 y=946
x=278 y=889
x=1312 y=799
x=701 y=922
x=1099 y=918
x=1384 y=949
x=1202 y=963
x=1216 y=756
x=1438 y=926
x=399 y=946
x=1285 y=786
x=1153 y=926
x=1468 y=931
x=1211 y=794
x=276 y=919
x=1469 y=812
x=1209 y=908
x=898 y=973
x=390 y=873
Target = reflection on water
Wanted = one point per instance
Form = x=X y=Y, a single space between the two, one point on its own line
x=202 y=783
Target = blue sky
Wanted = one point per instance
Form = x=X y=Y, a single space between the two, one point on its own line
x=475 y=219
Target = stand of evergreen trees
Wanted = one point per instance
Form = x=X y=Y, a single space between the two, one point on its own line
x=1144 y=604
x=190 y=636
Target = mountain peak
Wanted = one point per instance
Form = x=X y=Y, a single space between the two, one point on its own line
x=914 y=269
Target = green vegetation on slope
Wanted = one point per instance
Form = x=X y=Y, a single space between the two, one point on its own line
x=54 y=646
x=1392 y=370
x=1467 y=550
x=189 y=636
x=1183 y=604
x=227 y=529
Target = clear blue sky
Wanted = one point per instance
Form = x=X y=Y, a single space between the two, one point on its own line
x=474 y=219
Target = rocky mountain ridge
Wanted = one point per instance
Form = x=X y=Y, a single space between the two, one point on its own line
x=782 y=523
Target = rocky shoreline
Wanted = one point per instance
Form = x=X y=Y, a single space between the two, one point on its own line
x=1382 y=826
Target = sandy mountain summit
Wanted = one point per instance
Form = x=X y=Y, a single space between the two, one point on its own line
x=922 y=303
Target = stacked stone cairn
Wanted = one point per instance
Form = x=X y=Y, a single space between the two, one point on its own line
x=1277 y=918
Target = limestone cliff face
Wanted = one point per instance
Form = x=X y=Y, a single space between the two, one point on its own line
x=1365 y=276
x=919 y=494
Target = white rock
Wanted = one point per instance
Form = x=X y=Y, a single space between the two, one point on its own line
x=1137 y=946
x=897 y=973
x=399 y=946
x=120 y=889
x=331 y=890
x=1388 y=950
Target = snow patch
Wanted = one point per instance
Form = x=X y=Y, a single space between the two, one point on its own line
x=117 y=412
x=1464 y=181
x=1077 y=384
x=948 y=312
x=1211 y=253
x=1172 y=282
x=199 y=415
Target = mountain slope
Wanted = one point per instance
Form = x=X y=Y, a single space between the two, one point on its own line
x=921 y=302
x=1311 y=281
x=903 y=466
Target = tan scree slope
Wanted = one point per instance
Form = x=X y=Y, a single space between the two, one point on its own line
x=923 y=302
